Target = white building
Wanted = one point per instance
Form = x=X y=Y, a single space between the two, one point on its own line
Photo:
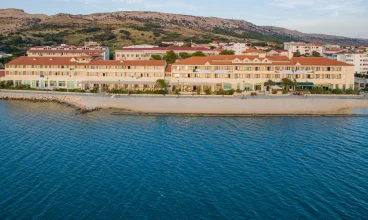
x=238 y=48
x=359 y=60
x=303 y=48
x=141 y=46
x=331 y=46
x=174 y=43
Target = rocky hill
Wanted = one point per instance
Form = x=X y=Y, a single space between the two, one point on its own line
x=124 y=28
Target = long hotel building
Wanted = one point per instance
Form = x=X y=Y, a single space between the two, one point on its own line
x=215 y=72
x=64 y=50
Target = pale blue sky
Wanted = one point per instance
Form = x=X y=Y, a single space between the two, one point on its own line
x=338 y=17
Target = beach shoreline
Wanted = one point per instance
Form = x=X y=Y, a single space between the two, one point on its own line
x=198 y=106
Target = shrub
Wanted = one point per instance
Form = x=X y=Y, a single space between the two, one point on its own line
x=198 y=91
x=337 y=91
x=253 y=94
x=285 y=91
x=208 y=91
x=274 y=92
x=349 y=91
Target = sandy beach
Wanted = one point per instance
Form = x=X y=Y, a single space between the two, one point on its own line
x=204 y=105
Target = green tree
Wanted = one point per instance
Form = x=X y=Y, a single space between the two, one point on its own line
x=315 y=54
x=184 y=55
x=297 y=54
x=170 y=57
x=286 y=83
x=198 y=54
x=162 y=83
x=227 y=52
x=156 y=57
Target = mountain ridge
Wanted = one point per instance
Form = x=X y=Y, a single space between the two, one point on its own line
x=152 y=27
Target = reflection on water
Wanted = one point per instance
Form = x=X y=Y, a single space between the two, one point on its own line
x=55 y=164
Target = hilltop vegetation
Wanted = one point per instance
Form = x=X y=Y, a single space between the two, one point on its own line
x=21 y=30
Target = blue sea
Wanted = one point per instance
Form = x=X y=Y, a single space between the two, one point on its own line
x=56 y=164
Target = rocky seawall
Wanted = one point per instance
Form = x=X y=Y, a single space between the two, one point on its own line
x=64 y=100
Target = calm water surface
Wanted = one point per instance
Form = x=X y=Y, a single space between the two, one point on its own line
x=56 y=165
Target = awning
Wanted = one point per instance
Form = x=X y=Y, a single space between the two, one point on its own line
x=306 y=84
x=193 y=84
x=121 y=82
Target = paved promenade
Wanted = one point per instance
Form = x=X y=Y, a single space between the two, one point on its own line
x=210 y=104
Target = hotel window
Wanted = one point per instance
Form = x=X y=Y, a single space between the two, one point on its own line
x=338 y=76
x=268 y=68
x=277 y=76
x=328 y=76
x=53 y=83
x=318 y=68
x=248 y=76
x=309 y=76
x=258 y=76
x=318 y=76
x=257 y=68
x=268 y=76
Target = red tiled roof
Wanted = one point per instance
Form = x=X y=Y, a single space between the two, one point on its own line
x=276 y=60
x=168 y=49
x=66 y=51
x=67 y=61
x=255 y=51
x=2 y=73
x=168 y=68
x=318 y=61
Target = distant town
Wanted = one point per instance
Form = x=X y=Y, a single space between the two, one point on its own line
x=176 y=67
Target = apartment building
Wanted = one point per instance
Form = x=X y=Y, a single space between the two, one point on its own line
x=359 y=60
x=146 y=53
x=303 y=48
x=278 y=53
x=84 y=73
x=238 y=48
x=252 y=72
x=64 y=50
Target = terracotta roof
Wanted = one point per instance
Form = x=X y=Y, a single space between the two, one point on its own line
x=2 y=73
x=168 y=68
x=168 y=49
x=255 y=51
x=66 y=51
x=318 y=61
x=67 y=61
x=276 y=60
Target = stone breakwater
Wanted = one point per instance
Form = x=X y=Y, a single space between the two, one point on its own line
x=64 y=100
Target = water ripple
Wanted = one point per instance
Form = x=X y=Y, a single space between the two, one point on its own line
x=56 y=165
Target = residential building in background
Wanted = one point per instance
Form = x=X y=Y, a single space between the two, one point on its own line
x=331 y=46
x=64 y=50
x=146 y=53
x=303 y=48
x=174 y=43
x=238 y=48
x=254 y=52
x=359 y=60
x=278 y=53
x=141 y=46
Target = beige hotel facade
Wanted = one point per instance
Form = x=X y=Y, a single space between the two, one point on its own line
x=214 y=72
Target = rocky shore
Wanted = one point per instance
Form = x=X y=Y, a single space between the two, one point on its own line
x=64 y=100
